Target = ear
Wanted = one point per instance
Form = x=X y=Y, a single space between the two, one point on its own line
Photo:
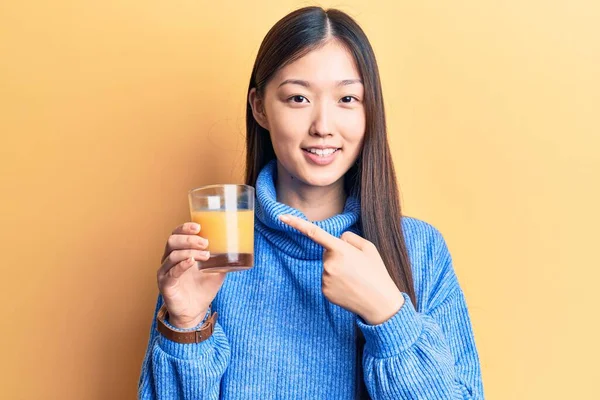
x=258 y=110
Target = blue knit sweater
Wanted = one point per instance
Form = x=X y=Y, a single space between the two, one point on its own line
x=278 y=337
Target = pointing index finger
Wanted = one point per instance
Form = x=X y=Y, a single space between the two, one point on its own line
x=312 y=231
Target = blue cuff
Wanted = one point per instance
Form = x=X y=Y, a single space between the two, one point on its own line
x=396 y=334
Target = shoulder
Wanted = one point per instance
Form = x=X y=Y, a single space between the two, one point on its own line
x=431 y=263
x=421 y=236
x=418 y=229
x=424 y=242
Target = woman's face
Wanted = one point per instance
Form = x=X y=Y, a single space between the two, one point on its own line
x=313 y=109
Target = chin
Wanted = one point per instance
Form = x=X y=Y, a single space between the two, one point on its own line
x=314 y=175
x=320 y=179
x=321 y=182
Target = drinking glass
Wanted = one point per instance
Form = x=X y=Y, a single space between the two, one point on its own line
x=226 y=217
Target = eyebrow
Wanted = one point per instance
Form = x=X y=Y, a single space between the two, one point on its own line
x=306 y=84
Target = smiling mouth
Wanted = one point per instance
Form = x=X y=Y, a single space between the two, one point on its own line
x=322 y=152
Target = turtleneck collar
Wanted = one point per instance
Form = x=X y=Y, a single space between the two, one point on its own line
x=286 y=238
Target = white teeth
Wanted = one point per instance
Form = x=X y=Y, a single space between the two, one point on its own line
x=322 y=152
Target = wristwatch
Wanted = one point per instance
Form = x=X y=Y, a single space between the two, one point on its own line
x=186 y=337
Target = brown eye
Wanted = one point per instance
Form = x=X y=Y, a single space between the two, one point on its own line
x=347 y=99
x=298 y=99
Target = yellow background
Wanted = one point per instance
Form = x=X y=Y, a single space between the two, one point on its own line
x=111 y=110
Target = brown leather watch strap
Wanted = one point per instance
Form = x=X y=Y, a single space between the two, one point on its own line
x=197 y=336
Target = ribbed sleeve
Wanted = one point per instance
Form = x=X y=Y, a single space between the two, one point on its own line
x=384 y=341
x=183 y=371
x=432 y=355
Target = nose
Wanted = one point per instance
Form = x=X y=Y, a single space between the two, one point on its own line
x=321 y=123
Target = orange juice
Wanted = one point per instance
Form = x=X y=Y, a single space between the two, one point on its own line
x=230 y=237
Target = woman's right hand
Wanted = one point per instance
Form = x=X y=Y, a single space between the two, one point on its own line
x=186 y=290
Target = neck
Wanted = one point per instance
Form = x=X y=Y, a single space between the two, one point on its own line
x=318 y=203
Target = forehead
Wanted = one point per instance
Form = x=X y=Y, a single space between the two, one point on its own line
x=327 y=64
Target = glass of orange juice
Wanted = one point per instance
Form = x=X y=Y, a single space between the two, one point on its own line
x=226 y=217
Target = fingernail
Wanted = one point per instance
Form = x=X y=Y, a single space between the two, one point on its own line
x=191 y=260
x=284 y=218
x=195 y=227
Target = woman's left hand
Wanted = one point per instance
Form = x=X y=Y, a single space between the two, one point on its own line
x=354 y=275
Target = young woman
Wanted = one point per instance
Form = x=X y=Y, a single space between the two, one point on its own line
x=348 y=298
